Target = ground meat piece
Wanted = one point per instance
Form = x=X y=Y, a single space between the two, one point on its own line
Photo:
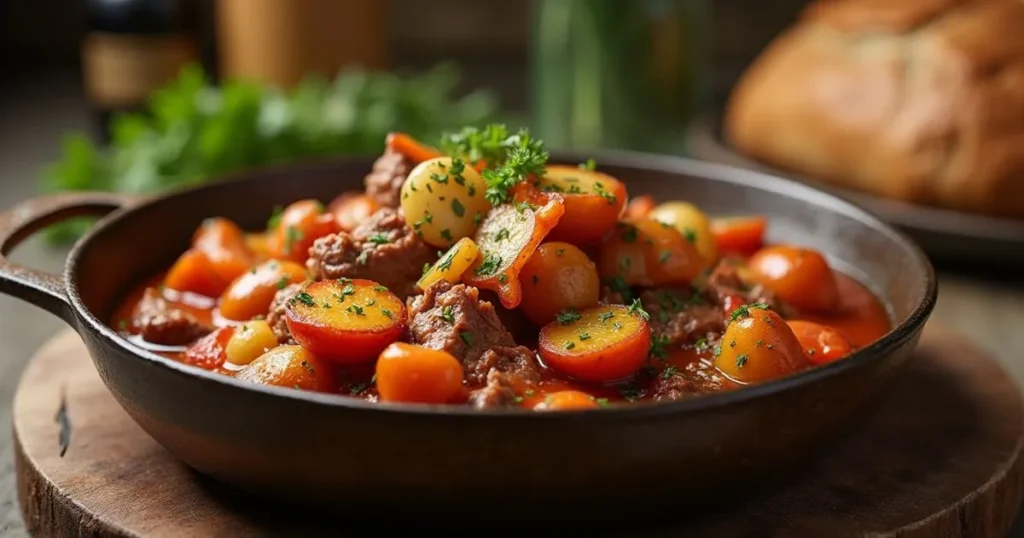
x=497 y=393
x=383 y=249
x=384 y=183
x=158 y=322
x=675 y=384
x=725 y=280
x=517 y=362
x=277 y=312
x=454 y=319
x=680 y=315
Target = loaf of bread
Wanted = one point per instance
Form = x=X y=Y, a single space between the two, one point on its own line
x=914 y=100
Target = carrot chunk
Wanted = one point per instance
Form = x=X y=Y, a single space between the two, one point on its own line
x=346 y=321
x=604 y=343
x=593 y=202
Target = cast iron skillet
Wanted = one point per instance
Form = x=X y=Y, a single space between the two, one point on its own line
x=357 y=457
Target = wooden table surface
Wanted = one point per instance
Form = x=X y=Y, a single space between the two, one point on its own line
x=988 y=309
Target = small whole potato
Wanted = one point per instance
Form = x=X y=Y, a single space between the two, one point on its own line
x=443 y=200
x=692 y=223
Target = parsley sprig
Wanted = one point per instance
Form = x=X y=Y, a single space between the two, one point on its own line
x=508 y=158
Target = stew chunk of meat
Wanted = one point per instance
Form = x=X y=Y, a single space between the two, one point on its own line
x=725 y=281
x=454 y=319
x=384 y=182
x=681 y=315
x=158 y=322
x=383 y=249
x=497 y=393
x=275 y=318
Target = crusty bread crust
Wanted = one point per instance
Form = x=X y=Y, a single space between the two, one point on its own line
x=916 y=100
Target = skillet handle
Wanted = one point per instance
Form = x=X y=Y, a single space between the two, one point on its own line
x=24 y=219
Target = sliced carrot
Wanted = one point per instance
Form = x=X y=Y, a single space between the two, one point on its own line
x=346 y=321
x=593 y=202
x=507 y=237
x=452 y=264
x=645 y=252
x=352 y=208
x=821 y=344
x=210 y=351
x=758 y=346
x=567 y=400
x=605 y=343
x=410 y=148
x=639 y=207
x=194 y=272
x=740 y=235
x=224 y=244
x=251 y=294
x=410 y=373
x=301 y=224
x=292 y=367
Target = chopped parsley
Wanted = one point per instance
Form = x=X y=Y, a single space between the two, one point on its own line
x=629 y=232
x=605 y=316
x=567 y=317
x=570 y=345
x=283 y=283
x=659 y=345
x=378 y=239
x=502 y=234
x=741 y=360
x=380 y=288
x=590 y=165
x=744 y=310
x=387 y=313
x=355 y=309
x=446 y=234
x=638 y=309
x=490 y=264
x=446 y=314
x=446 y=263
x=458 y=208
x=275 y=217
x=426 y=268
x=584 y=336
x=291 y=236
x=600 y=190
x=664 y=256
x=508 y=158
x=669 y=372
x=690 y=235
x=305 y=298
x=467 y=337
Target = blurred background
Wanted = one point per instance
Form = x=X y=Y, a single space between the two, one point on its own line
x=148 y=95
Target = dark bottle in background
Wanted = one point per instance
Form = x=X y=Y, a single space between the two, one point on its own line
x=132 y=47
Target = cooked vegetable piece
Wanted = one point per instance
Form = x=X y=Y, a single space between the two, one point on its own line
x=248 y=341
x=352 y=208
x=194 y=272
x=567 y=400
x=507 y=238
x=452 y=264
x=593 y=202
x=557 y=277
x=605 y=343
x=443 y=200
x=299 y=226
x=410 y=148
x=209 y=352
x=739 y=235
x=692 y=223
x=415 y=374
x=758 y=346
x=262 y=245
x=799 y=276
x=224 y=244
x=646 y=252
x=821 y=344
x=250 y=294
x=639 y=207
x=346 y=321
x=292 y=367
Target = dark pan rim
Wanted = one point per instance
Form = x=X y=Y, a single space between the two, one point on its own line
x=897 y=336
x=707 y=130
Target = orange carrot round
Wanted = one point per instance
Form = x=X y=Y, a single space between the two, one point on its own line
x=604 y=343
x=195 y=273
x=292 y=367
x=821 y=344
x=799 y=276
x=346 y=321
x=593 y=202
x=646 y=252
x=224 y=244
x=567 y=400
x=758 y=346
x=352 y=208
x=739 y=235
x=558 y=277
x=415 y=374
x=299 y=226
x=251 y=294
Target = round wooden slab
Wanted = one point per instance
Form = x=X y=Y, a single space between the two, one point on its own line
x=940 y=458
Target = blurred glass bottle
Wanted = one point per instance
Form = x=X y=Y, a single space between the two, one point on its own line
x=625 y=74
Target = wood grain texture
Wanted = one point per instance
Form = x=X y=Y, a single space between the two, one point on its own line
x=941 y=457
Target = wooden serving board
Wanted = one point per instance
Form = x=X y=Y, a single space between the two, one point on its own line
x=940 y=458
